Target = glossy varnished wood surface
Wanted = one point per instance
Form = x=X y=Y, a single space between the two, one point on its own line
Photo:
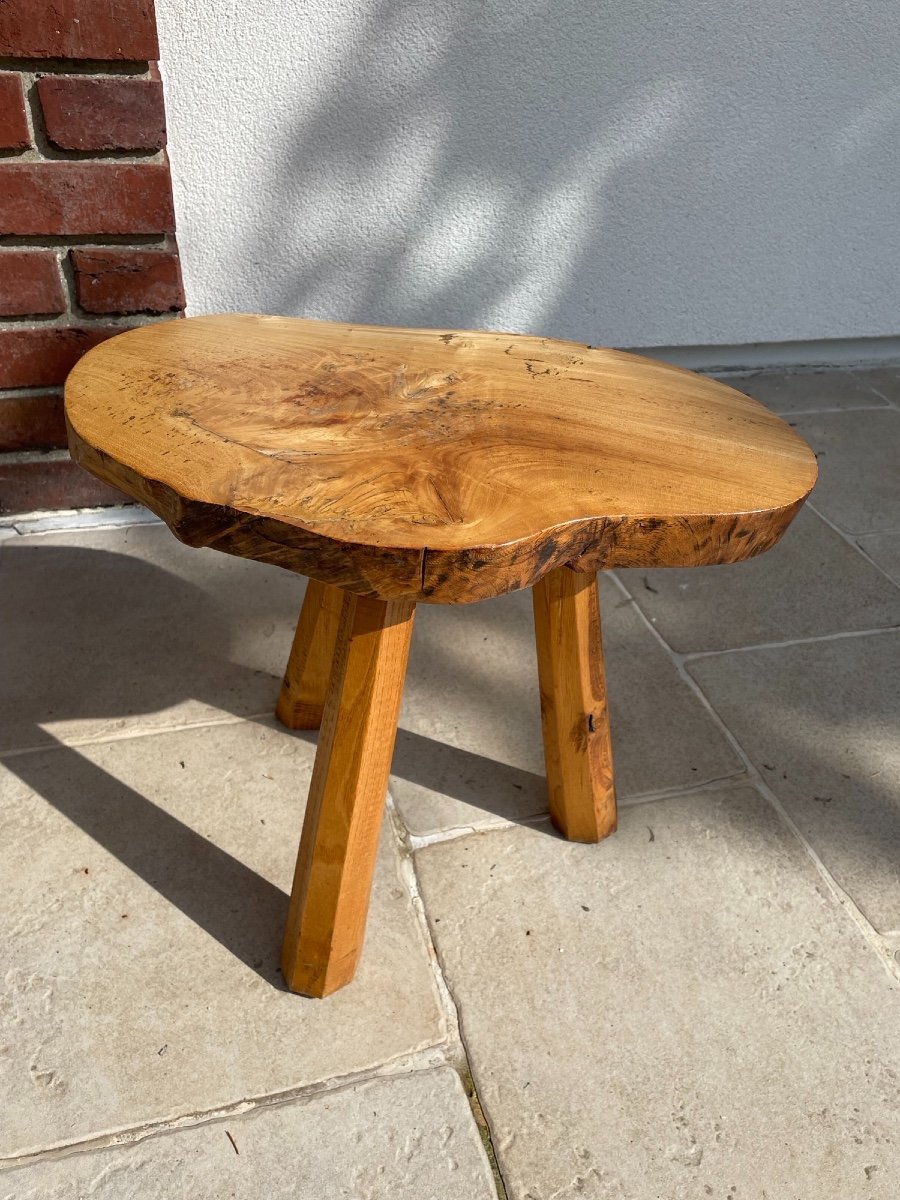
x=427 y=465
x=574 y=710
x=326 y=920
x=301 y=701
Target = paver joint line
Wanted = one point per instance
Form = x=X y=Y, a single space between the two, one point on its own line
x=421 y=1063
x=870 y=935
x=807 y=641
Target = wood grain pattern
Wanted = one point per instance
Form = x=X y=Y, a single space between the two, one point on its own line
x=425 y=465
x=338 y=847
x=305 y=684
x=574 y=715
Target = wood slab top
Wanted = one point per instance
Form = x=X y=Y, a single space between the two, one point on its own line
x=430 y=464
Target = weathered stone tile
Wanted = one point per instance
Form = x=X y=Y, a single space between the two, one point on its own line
x=859 y=479
x=111 y=630
x=821 y=723
x=801 y=391
x=470 y=753
x=145 y=891
x=812 y=583
x=884 y=548
x=404 y=1138
x=646 y=1016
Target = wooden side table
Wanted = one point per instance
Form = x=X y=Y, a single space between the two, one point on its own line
x=403 y=466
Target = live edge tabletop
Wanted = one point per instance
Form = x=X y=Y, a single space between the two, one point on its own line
x=398 y=465
x=424 y=465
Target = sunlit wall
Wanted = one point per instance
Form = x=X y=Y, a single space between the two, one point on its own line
x=631 y=173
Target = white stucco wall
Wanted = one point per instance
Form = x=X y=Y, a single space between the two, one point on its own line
x=634 y=173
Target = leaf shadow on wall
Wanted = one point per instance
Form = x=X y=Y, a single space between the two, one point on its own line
x=444 y=165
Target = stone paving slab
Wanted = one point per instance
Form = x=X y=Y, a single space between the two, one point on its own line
x=145 y=889
x=822 y=723
x=115 y=630
x=470 y=753
x=859 y=481
x=800 y=391
x=813 y=583
x=682 y=1011
x=884 y=548
x=410 y=1137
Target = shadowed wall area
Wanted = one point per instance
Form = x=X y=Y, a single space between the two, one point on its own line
x=627 y=174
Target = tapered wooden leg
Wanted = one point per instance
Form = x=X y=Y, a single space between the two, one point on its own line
x=577 y=747
x=330 y=897
x=305 y=684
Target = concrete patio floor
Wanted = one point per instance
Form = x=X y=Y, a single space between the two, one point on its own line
x=706 y=1004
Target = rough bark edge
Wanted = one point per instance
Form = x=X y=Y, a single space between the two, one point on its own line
x=449 y=576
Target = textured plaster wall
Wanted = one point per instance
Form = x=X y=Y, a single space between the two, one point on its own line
x=631 y=173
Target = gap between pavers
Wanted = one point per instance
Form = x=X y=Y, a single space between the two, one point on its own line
x=401 y=1138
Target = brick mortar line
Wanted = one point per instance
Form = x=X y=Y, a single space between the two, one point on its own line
x=131 y=68
x=82 y=320
x=67 y=271
x=34 y=157
x=36 y=321
x=12 y=457
x=28 y=393
x=845 y=901
x=103 y=241
x=27 y=81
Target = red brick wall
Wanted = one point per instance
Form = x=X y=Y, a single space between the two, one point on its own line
x=87 y=245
